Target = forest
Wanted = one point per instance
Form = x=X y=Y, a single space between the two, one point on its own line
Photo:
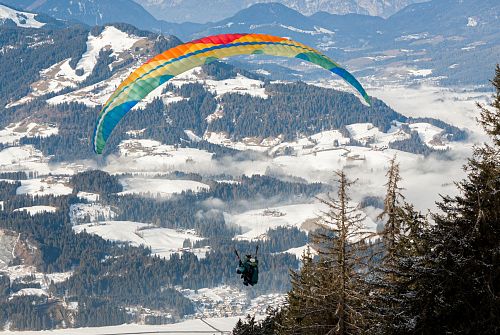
x=98 y=284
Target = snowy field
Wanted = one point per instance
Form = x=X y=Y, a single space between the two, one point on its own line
x=157 y=187
x=255 y=223
x=45 y=186
x=162 y=241
x=15 y=131
x=184 y=327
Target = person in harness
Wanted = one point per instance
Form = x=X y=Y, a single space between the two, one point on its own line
x=248 y=268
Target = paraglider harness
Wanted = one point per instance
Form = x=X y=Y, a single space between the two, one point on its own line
x=248 y=268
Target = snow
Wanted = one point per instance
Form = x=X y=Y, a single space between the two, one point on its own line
x=160 y=187
x=19 y=272
x=192 y=136
x=29 y=291
x=22 y=19
x=36 y=209
x=162 y=241
x=412 y=37
x=93 y=95
x=23 y=158
x=368 y=133
x=91 y=197
x=61 y=75
x=52 y=80
x=316 y=31
x=420 y=73
x=300 y=251
x=219 y=113
x=247 y=143
x=15 y=131
x=306 y=145
x=471 y=22
x=44 y=186
x=8 y=242
x=27 y=158
x=429 y=134
x=195 y=325
x=240 y=84
x=110 y=38
x=88 y=213
x=263 y=72
x=137 y=155
x=326 y=140
x=255 y=223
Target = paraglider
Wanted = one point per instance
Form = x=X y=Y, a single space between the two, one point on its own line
x=248 y=268
x=184 y=57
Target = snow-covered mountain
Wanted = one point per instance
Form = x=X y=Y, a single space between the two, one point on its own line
x=19 y=18
x=188 y=10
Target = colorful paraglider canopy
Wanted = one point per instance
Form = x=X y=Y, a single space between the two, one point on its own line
x=184 y=57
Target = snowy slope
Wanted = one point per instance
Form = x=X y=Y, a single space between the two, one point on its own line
x=59 y=76
x=149 y=155
x=367 y=133
x=45 y=186
x=15 y=131
x=195 y=325
x=255 y=223
x=110 y=38
x=162 y=241
x=21 y=19
x=160 y=187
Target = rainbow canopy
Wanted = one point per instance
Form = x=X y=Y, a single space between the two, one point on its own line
x=184 y=57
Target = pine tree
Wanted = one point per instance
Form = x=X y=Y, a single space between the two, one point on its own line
x=392 y=201
x=338 y=286
x=462 y=284
x=303 y=314
x=396 y=280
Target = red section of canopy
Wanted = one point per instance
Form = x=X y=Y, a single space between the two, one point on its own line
x=219 y=39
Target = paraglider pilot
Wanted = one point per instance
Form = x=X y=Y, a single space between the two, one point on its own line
x=248 y=269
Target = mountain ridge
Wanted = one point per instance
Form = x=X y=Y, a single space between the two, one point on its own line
x=182 y=11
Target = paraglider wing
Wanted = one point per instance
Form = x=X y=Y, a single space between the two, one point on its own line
x=184 y=57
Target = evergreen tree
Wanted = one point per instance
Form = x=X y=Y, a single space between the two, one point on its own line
x=393 y=198
x=328 y=296
x=396 y=278
x=302 y=314
x=462 y=285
